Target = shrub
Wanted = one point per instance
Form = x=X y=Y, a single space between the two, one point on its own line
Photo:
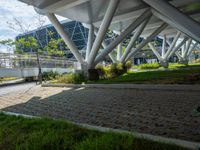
x=49 y=75
x=101 y=71
x=149 y=66
x=73 y=78
x=128 y=65
x=112 y=70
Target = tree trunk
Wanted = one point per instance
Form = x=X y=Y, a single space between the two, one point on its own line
x=39 y=69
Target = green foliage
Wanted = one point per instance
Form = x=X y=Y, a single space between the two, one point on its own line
x=179 y=76
x=128 y=65
x=149 y=66
x=112 y=70
x=8 y=42
x=73 y=78
x=46 y=134
x=53 y=47
x=49 y=75
x=26 y=43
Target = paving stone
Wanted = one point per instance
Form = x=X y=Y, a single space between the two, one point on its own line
x=155 y=111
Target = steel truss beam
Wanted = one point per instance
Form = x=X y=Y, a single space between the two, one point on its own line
x=133 y=39
x=65 y=37
x=147 y=40
x=90 y=41
x=104 y=45
x=112 y=7
x=123 y=35
x=177 y=47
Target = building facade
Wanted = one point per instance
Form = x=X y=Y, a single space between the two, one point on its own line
x=78 y=34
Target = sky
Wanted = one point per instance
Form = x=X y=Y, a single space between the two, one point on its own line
x=10 y=9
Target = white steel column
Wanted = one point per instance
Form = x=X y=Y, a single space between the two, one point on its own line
x=111 y=54
x=187 y=48
x=104 y=45
x=154 y=51
x=65 y=37
x=90 y=40
x=119 y=51
x=191 y=49
x=102 y=31
x=172 y=45
x=123 y=35
x=163 y=45
x=133 y=39
x=177 y=47
x=186 y=23
x=147 y=40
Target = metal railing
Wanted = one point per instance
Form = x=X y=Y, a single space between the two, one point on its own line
x=8 y=60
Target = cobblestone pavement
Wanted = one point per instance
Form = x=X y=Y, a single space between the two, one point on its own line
x=157 y=111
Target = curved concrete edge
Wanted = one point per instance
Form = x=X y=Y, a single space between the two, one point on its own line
x=169 y=87
x=178 y=142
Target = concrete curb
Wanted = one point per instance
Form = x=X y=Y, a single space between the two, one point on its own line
x=178 y=142
x=195 y=88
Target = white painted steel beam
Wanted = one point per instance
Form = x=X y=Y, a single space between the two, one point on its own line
x=104 y=45
x=90 y=41
x=192 y=48
x=172 y=45
x=59 y=28
x=134 y=39
x=102 y=31
x=187 y=48
x=164 y=45
x=186 y=23
x=119 y=51
x=111 y=54
x=123 y=35
x=154 y=51
x=177 y=47
x=147 y=40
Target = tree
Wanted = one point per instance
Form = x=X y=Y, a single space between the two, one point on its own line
x=30 y=43
x=17 y=24
x=53 y=47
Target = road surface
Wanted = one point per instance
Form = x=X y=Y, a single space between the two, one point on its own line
x=16 y=88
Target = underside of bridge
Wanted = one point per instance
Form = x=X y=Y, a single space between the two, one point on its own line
x=166 y=19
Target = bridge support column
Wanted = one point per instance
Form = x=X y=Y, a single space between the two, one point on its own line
x=134 y=39
x=90 y=41
x=147 y=40
x=122 y=36
x=102 y=31
x=119 y=51
x=163 y=45
x=104 y=45
x=65 y=37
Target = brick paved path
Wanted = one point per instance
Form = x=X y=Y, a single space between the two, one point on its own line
x=165 y=112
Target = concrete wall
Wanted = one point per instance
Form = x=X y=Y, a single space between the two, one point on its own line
x=29 y=72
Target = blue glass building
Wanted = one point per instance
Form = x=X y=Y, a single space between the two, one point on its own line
x=77 y=32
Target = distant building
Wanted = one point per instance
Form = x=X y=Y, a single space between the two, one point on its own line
x=77 y=32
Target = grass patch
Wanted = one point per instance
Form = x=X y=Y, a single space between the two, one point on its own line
x=7 y=79
x=161 y=77
x=18 y=133
x=147 y=66
x=171 y=66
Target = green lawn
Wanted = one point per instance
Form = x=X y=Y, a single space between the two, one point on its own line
x=171 y=66
x=180 y=76
x=18 y=133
